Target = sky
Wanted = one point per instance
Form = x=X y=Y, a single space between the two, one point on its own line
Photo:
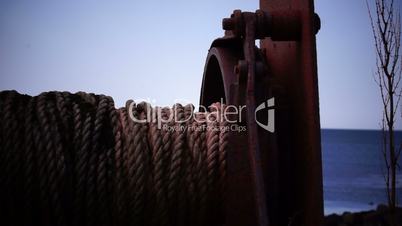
x=156 y=50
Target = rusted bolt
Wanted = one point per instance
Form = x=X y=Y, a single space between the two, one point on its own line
x=317 y=23
x=228 y=24
x=280 y=25
x=234 y=23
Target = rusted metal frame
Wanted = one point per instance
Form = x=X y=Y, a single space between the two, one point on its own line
x=222 y=81
x=249 y=26
x=287 y=28
x=254 y=152
x=293 y=64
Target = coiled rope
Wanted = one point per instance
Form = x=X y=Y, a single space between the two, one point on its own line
x=74 y=159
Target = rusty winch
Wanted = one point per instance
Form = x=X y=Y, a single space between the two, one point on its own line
x=73 y=159
x=282 y=170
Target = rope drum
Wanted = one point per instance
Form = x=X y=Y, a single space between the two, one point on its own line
x=74 y=159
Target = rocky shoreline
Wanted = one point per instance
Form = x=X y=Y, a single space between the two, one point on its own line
x=379 y=217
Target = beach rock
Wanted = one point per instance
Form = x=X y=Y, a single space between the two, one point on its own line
x=379 y=217
x=348 y=218
x=382 y=208
x=333 y=220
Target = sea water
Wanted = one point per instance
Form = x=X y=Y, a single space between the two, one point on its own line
x=353 y=170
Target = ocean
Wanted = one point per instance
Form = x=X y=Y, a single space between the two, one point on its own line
x=352 y=170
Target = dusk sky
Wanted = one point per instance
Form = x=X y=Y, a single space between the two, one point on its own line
x=156 y=50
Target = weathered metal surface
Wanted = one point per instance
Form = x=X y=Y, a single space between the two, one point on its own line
x=273 y=178
x=294 y=65
x=221 y=81
x=254 y=152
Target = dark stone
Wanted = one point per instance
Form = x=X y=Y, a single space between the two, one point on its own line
x=379 y=217
x=382 y=208
x=348 y=218
x=333 y=220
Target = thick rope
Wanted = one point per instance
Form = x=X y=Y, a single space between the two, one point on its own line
x=74 y=159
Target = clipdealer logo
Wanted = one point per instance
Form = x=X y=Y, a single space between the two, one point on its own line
x=269 y=104
x=235 y=123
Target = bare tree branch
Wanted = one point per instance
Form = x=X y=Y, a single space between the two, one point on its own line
x=386 y=28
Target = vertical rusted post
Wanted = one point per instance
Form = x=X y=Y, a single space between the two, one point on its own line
x=293 y=64
x=254 y=151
